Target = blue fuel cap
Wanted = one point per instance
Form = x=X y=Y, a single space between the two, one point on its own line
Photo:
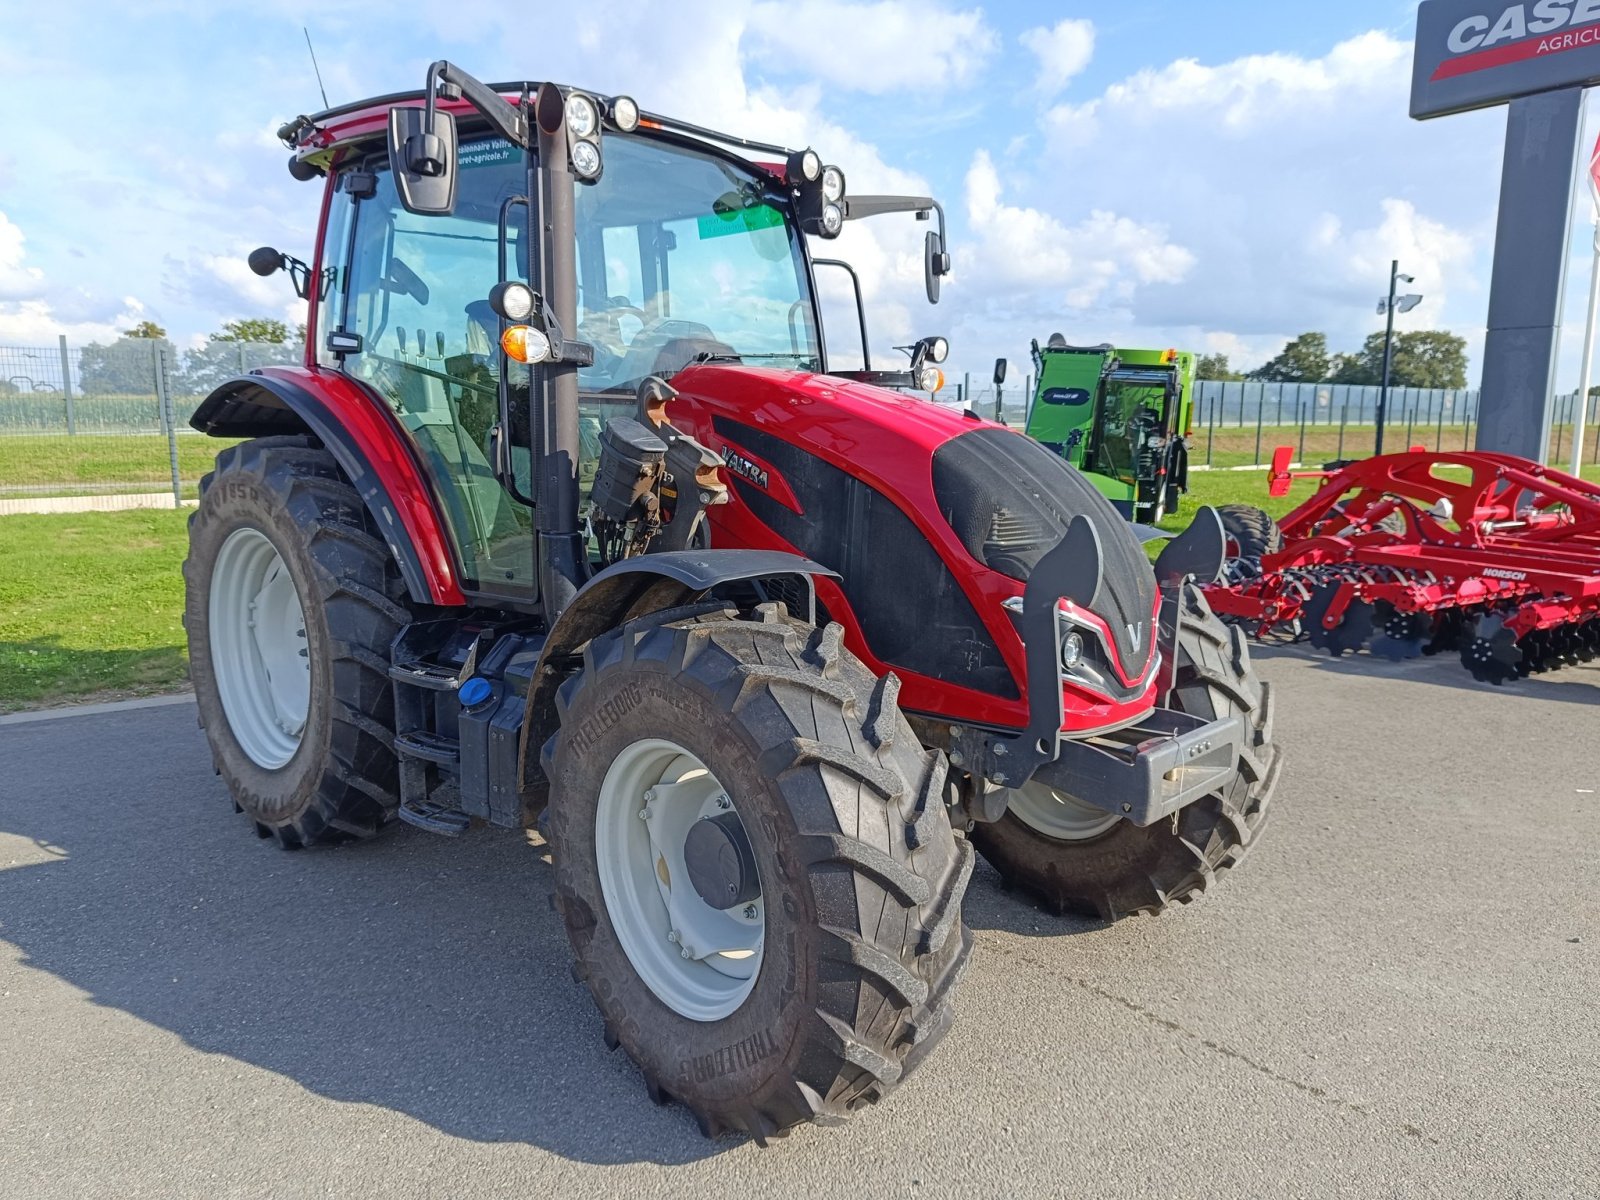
x=475 y=692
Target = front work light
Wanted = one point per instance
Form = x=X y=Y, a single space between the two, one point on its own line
x=525 y=344
x=586 y=158
x=581 y=117
x=832 y=184
x=625 y=113
x=832 y=219
x=512 y=300
x=938 y=349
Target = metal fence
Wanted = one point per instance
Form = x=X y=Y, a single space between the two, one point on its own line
x=112 y=419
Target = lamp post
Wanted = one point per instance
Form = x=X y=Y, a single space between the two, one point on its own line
x=1388 y=306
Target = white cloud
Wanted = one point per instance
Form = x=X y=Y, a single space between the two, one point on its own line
x=1293 y=181
x=17 y=280
x=886 y=46
x=36 y=323
x=1063 y=51
x=1103 y=257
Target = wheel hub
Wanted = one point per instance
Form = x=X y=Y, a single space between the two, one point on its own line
x=722 y=867
x=259 y=654
x=1058 y=815
x=679 y=879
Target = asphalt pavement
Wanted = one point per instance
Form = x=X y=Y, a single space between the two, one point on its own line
x=1395 y=995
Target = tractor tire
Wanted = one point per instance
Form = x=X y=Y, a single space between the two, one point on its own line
x=1250 y=530
x=277 y=512
x=1113 y=869
x=858 y=917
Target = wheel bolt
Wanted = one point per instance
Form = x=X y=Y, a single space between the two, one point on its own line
x=724 y=803
x=686 y=954
x=672 y=936
x=750 y=912
x=644 y=814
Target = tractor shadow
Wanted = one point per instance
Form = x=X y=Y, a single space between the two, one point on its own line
x=1570 y=685
x=419 y=974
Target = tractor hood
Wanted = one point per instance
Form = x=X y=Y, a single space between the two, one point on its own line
x=932 y=517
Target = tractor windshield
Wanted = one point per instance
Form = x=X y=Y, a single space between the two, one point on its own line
x=683 y=253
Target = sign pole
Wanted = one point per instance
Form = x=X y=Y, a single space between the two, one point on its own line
x=1586 y=372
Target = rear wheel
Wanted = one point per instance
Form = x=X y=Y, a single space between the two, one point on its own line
x=754 y=867
x=1250 y=533
x=1078 y=858
x=289 y=611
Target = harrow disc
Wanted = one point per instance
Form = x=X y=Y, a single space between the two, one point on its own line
x=1400 y=635
x=1490 y=651
x=1344 y=638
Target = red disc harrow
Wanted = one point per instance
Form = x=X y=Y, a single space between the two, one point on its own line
x=1490 y=555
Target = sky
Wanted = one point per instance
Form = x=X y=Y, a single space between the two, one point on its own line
x=1217 y=177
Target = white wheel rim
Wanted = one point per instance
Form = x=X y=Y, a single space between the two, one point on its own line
x=1057 y=815
x=700 y=961
x=258 y=648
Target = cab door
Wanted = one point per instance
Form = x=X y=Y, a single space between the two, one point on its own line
x=415 y=291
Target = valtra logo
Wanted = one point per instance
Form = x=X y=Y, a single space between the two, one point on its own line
x=1522 y=32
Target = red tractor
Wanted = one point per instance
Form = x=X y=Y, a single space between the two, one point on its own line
x=566 y=520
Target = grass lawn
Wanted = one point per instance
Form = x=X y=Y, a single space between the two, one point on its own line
x=90 y=603
x=62 y=465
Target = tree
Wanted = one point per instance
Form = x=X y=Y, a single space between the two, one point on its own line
x=254 y=329
x=1304 y=360
x=1422 y=358
x=146 y=329
x=1215 y=368
x=125 y=367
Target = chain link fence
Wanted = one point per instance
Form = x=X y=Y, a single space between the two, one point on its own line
x=112 y=420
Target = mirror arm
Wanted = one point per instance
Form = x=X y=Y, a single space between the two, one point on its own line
x=505 y=116
x=861 y=308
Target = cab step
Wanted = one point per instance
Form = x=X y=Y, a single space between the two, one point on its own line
x=429 y=747
x=435 y=818
x=428 y=676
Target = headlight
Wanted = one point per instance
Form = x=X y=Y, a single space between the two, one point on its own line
x=1155 y=439
x=832 y=219
x=1071 y=651
x=586 y=159
x=525 y=344
x=625 y=113
x=930 y=379
x=832 y=183
x=581 y=117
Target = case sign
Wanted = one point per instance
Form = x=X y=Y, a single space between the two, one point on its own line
x=1478 y=53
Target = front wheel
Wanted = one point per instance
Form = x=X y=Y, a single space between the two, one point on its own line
x=754 y=867
x=1079 y=858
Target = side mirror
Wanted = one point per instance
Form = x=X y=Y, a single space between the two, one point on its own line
x=999 y=371
x=935 y=263
x=423 y=160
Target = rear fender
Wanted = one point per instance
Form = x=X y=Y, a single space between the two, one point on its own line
x=623 y=592
x=371 y=449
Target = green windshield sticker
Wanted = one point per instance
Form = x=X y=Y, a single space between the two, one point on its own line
x=486 y=154
x=740 y=220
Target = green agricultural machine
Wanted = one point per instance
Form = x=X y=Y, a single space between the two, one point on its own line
x=1122 y=417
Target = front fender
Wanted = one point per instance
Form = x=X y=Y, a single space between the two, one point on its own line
x=371 y=449
x=623 y=592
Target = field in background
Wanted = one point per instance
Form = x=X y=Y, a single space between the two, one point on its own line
x=91 y=603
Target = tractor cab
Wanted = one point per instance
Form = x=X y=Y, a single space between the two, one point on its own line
x=689 y=246
x=1119 y=416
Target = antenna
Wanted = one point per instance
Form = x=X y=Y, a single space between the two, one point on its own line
x=316 y=68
